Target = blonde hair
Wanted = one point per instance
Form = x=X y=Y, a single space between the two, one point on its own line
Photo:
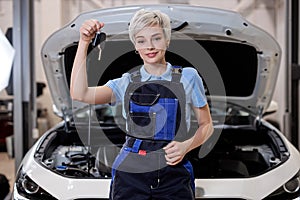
x=145 y=18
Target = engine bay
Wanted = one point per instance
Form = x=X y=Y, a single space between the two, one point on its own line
x=237 y=153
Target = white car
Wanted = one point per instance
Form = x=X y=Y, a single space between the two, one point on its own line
x=246 y=158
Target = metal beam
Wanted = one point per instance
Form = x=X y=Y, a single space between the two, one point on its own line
x=24 y=77
x=294 y=81
x=288 y=108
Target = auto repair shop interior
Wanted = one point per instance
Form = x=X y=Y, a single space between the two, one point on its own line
x=256 y=142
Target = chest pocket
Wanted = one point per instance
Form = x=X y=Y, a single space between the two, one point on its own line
x=152 y=117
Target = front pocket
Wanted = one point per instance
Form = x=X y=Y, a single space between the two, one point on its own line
x=142 y=125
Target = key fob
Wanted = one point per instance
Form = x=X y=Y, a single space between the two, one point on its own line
x=99 y=39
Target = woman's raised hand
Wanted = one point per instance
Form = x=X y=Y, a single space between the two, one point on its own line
x=89 y=29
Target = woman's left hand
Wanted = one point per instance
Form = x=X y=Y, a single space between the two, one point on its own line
x=175 y=152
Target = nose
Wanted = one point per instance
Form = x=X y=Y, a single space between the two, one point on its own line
x=150 y=45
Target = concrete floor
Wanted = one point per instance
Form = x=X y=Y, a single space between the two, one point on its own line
x=7 y=167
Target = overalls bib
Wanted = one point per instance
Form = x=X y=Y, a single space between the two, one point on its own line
x=155 y=112
x=156 y=109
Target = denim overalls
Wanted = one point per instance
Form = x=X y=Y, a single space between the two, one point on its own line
x=155 y=113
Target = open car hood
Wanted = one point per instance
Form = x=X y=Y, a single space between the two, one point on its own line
x=247 y=57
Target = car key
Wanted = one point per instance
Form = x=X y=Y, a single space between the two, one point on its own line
x=100 y=38
x=99 y=41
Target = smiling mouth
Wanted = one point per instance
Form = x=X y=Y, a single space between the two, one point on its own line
x=151 y=55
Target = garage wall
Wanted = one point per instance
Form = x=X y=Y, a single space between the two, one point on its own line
x=6 y=14
x=52 y=15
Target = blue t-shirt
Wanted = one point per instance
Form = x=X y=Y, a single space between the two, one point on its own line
x=192 y=84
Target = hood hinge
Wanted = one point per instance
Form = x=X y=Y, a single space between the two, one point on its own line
x=65 y=117
x=260 y=115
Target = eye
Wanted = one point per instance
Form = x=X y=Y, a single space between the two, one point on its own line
x=140 y=41
x=157 y=38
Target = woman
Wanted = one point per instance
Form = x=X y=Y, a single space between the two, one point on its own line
x=152 y=163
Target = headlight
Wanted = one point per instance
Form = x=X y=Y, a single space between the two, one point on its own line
x=292 y=186
x=290 y=190
x=29 y=189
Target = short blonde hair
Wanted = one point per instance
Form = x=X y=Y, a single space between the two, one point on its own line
x=145 y=18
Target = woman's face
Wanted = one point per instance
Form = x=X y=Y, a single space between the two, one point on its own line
x=151 y=44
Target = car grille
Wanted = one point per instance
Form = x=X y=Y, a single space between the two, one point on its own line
x=91 y=199
x=220 y=198
x=195 y=199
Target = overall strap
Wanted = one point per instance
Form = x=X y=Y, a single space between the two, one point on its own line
x=136 y=76
x=135 y=146
x=176 y=73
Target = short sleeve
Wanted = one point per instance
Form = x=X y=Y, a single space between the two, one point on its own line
x=198 y=92
x=119 y=86
x=194 y=87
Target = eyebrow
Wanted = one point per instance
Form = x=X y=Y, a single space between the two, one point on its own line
x=155 y=34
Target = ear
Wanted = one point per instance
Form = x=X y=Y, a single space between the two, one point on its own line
x=168 y=43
